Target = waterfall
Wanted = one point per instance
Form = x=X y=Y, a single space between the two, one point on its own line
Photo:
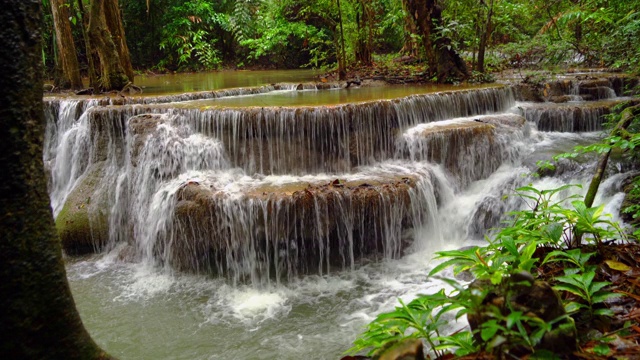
x=262 y=195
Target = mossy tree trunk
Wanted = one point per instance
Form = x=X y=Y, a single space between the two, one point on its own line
x=444 y=62
x=114 y=24
x=92 y=58
x=39 y=317
x=112 y=74
x=66 y=48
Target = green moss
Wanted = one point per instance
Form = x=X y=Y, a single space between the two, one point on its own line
x=83 y=222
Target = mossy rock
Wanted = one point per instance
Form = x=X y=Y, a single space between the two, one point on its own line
x=83 y=222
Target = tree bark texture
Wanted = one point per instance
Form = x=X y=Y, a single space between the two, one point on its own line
x=39 y=318
x=114 y=24
x=66 y=47
x=444 y=63
x=112 y=74
x=91 y=55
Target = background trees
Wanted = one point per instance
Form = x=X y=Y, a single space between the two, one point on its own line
x=102 y=31
x=188 y=35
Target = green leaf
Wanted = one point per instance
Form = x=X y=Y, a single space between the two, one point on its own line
x=603 y=312
x=570 y=288
x=601 y=349
x=489 y=329
x=597 y=286
x=572 y=307
x=602 y=296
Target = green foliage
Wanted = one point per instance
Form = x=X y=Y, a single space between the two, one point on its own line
x=625 y=142
x=589 y=291
x=421 y=318
x=190 y=37
x=551 y=218
x=206 y=34
x=578 y=280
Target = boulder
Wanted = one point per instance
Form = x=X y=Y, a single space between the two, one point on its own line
x=299 y=227
x=83 y=222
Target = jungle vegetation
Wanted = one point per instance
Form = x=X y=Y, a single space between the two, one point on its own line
x=450 y=38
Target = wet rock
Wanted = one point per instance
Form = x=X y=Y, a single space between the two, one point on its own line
x=462 y=146
x=141 y=127
x=557 y=88
x=408 y=349
x=527 y=92
x=295 y=228
x=534 y=298
x=83 y=222
x=561 y=99
x=598 y=92
x=487 y=215
x=590 y=87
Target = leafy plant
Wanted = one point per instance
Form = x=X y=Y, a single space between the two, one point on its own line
x=546 y=221
x=578 y=280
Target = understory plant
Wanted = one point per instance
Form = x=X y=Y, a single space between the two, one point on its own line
x=501 y=270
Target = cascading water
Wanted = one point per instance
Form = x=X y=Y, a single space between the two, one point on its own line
x=311 y=219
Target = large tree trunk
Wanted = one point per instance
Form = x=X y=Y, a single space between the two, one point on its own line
x=112 y=74
x=114 y=24
x=92 y=58
x=364 y=22
x=39 y=318
x=444 y=63
x=66 y=47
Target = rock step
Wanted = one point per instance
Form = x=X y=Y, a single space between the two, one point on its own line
x=587 y=87
x=572 y=116
x=468 y=148
x=253 y=229
x=310 y=139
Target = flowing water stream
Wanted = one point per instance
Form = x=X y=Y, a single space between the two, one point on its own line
x=276 y=224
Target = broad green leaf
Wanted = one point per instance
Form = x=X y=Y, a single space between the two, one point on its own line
x=569 y=288
x=602 y=296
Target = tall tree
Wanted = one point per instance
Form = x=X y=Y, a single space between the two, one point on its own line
x=444 y=62
x=485 y=33
x=113 y=75
x=364 y=38
x=113 y=18
x=67 y=56
x=39 y=318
